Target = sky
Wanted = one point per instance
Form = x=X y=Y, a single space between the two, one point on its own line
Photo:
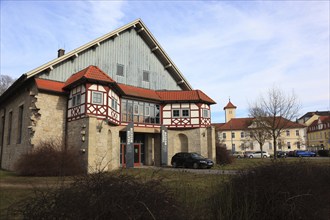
x=227 y=49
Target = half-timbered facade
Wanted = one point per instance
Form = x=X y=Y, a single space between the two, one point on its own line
x=118 y=99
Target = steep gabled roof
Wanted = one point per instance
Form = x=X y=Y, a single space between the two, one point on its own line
x=92 y=73
x=51 y=86
x=145 y=34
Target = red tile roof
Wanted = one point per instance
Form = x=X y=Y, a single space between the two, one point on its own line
x=96 y=74
x=229 y=105
x=48 y=85
x=92 y=73
x=244 y=123
x=138 y=92
x=192 y=95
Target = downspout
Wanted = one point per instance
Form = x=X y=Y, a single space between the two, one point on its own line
x=3 y=136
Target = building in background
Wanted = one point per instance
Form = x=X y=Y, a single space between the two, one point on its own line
x=235 y=134
x=118 y=100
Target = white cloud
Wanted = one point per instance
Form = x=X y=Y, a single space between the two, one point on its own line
x=223 y=48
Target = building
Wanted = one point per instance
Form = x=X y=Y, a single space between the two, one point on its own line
x=118 y=100
x=318 y=134
x=235 y=134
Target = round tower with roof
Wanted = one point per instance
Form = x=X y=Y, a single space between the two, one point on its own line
x=230 y=111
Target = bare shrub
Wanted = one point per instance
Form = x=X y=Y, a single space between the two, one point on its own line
x=50 y=159
x=223 y=157
x=277 y=191
x=101 y=196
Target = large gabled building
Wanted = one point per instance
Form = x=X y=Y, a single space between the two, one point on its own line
x=318 y=134
x=119 y=100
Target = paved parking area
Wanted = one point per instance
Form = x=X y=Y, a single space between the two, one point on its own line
x=198 y=171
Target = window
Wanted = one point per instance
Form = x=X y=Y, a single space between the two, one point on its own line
x=76 y=99
x=114 y=104
x=2 y=129
x=136 y=109
x=97 y=98
x=297 y=132
x=233 y=148
x=224 y=135
x=232 y=134
x=10 y=119
x=176 y=113
x=288 y=144
x=298 y=145
x=270 y=146
x=287 y=133
x=206 y=113
x=20 y=124
x=147 y=111
x=185 y=113
x=120 y=70
x=242 y=134
x=139 y=112
x=146 y=76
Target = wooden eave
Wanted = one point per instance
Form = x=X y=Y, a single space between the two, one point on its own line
x=146 y=35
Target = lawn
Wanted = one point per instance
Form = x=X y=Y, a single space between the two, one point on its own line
x=190 y=189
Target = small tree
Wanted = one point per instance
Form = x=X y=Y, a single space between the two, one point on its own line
x=258 y=133
x=274 y=112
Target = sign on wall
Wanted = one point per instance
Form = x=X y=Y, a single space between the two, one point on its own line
x=164 y=146
x=129 y=145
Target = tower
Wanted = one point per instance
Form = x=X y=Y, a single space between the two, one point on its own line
x=230 y=111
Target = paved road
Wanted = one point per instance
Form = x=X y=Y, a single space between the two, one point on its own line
x=198 y=171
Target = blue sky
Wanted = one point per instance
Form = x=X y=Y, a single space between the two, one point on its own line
x=235 y=49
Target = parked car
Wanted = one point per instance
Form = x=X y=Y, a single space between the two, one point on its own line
x=291 y=154
x=303 y=153
x=193 y=160
x=238 y=154
x=256 y=154
x=281 y=154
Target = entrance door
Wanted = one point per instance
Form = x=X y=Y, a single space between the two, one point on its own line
x=137 y=155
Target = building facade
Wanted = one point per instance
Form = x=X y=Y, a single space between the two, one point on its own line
x=118 y=100
x=235 y=135
x=318 y=134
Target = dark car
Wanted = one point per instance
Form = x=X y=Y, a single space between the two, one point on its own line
x=302 y=153
x=281 y=154
x=194 y=160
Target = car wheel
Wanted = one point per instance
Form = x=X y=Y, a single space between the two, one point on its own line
x=238 y=157
x=195 y=165
x=265 y=156
x=175 y=165
x=250 y=156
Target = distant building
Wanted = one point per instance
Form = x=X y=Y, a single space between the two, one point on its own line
x=235 y=135
x=119 y=100
x=318 y=134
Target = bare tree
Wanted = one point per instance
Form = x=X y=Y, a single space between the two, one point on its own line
x=258 y=133
x=274 y=112
x=5 y=82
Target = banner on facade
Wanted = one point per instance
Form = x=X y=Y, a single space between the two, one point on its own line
x=129 y=155
x=164 y=146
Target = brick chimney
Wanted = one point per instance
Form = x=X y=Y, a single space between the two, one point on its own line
x=60 y=52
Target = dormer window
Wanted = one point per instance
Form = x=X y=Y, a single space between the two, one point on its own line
x=97 y=98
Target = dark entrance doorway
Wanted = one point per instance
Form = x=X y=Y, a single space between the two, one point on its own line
x=139 y=149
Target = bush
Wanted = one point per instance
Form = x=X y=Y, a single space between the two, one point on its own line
x=323 y=153
x=277 y=191
x=223 y=157
x=50 y=159
x=101 y=196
